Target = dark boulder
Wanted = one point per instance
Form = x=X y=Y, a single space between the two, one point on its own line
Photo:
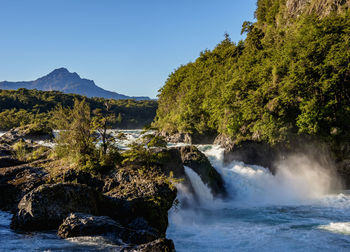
x=198 y=162
x=148 y=195
x=78 y=224
x=160 y=245
x=47 y=206
x=16 y=181
x=136 y=232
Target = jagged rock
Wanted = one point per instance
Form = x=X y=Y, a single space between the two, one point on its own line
x=224 y=141
x=78 y=224
x=187 y=138
x=160 y=245
x=148 y=195
x=48 y=205
x=16 y=181
x=80 y=177
x=176 y=137
x=321 y=8
x=199 y=163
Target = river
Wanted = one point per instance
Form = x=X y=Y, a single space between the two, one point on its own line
x=292 y=211
x=295 y=210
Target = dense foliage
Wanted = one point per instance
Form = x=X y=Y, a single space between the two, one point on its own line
x=85 y=142
x=22 y=107
x=290 y=76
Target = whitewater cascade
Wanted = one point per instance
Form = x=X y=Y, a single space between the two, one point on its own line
x=298 y=180
x=296 y=209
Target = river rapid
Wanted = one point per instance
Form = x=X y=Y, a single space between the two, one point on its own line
x=298 y=209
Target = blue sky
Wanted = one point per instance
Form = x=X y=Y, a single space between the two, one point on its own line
x=126 y=46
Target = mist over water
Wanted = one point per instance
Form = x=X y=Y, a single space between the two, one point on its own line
x=300 y=208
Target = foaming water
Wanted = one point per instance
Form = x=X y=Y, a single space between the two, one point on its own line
x=338 y=227
x=298 y=179
x=202 y=191
x=295 y=210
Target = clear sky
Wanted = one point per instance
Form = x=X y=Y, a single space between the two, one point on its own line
x=126 y=46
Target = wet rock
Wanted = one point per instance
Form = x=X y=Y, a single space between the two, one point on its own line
x=160 y=245
x=16 y=181
x=199 y=163
x=47 y=206
x=78 y=224
x=256 y=153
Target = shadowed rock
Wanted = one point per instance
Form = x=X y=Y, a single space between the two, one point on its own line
x=47 y=206
x=15 y=182
x=160 y=245
x=199 y=163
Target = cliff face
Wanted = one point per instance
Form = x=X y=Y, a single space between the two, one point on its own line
x=322 y=8
x=281 y=12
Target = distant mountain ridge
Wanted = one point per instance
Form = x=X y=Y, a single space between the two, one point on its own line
x=62 y=80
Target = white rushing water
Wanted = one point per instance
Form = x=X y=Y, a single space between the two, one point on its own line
x=295 y=210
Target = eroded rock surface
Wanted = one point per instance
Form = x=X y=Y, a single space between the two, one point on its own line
x=48 y=205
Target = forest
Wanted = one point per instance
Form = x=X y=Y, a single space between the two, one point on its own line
x=21 y=107
x=290 y=77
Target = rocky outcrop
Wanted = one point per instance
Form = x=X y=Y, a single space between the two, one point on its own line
x=78 y=224
x=47 y=206
x=147 y=195
x=160 y=245
x=176 y=137
x=78 y=176
x=224 y=141
x=322 y=8
x=197 y=161
x=196 y=138
x=16 y=181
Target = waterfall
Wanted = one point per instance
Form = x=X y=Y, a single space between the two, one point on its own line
x=201 y=190
x=299 y=179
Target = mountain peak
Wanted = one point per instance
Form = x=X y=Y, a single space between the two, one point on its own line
x=62 y=80
x=62 y=72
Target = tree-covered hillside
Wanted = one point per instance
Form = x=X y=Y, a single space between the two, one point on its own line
x=290 y=76
x=25 y=106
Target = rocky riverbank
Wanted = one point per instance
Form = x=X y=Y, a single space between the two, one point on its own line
x=127 y=205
